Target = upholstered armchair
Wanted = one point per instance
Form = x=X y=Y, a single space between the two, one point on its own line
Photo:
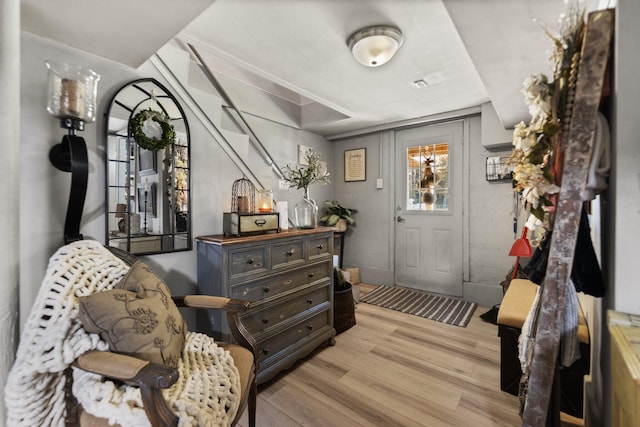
x=105 y=344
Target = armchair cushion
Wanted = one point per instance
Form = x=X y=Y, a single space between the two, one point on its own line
x=137 y=317
x=206 y=393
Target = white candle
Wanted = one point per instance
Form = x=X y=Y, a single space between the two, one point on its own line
x=146 y=185
x=72 y=95
x=243 y=204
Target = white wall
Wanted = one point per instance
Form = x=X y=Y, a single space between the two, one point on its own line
x=44 y=189
x=491 y=211
x=9 y=190
x=625 y=180
x=282 y=143
x=370 y=244
x=621 y=210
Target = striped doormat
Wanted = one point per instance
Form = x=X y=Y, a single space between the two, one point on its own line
x=434 y=307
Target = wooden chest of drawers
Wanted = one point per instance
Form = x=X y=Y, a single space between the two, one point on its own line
x=288 y=277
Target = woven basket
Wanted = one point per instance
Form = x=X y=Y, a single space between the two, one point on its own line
x=344 y=310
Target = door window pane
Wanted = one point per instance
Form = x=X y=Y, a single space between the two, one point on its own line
x=428 y=177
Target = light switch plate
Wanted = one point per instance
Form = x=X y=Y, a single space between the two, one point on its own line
x=379 y=183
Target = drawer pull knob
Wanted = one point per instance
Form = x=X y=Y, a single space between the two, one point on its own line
x=250 y=261
x=265 y=320
x=266 y=289
x=320 y=246
x=288 y=282
x=310 y=327
x=310 y=275
x=260 y=222
x=309 y=301
x=290 y=252
x=265 y=351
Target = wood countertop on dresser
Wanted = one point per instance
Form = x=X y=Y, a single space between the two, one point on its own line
x=222 y=239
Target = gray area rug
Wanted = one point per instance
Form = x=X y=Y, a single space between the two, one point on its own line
x=434 y=307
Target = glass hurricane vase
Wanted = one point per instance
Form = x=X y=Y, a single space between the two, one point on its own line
x=306 y=212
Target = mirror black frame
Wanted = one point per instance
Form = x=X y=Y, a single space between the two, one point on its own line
x=147 y=219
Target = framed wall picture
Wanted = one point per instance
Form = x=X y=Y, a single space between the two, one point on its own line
x=355 y=165
x=147 y=162
x=303 y=151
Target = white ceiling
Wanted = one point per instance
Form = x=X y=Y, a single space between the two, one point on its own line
x=470 y=52
x=302 y=46
x=127 y=31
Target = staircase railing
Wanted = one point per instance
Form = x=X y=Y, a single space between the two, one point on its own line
x=190 y=101
x=242 y=122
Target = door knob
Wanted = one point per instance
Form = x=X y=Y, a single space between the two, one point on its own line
x=400 y=219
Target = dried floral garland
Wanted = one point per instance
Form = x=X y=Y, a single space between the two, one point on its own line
x=178 y=177
x=147 y=118
x=534 y=158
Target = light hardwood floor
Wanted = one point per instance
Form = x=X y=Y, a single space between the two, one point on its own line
x=394 y=369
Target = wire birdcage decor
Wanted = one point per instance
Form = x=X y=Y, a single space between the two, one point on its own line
x=243 y=196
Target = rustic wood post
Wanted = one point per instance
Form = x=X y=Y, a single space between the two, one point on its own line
x=577 y=156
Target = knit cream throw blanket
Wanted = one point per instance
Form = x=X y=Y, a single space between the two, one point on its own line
x=53 y=338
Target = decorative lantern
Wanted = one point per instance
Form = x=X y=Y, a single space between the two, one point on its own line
x=243 y=196
x=244 y=219
x=265 y=201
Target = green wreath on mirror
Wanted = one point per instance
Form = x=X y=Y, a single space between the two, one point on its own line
x=153 y=144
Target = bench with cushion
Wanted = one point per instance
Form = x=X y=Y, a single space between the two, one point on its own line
x=514 y=309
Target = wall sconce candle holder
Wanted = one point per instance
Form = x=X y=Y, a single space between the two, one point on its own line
x=71 y=97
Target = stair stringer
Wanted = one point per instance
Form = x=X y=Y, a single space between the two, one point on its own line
x=175 y=65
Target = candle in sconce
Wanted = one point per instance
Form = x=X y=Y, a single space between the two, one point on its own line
x=243 y=204
x=146 y=185
x=72 y=93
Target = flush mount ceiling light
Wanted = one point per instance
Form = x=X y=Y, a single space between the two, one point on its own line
x=374 y=46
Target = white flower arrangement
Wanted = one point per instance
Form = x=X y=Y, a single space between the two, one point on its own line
x=535 y=144
x=537 y=96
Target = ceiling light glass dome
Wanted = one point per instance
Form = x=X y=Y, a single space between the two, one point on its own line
x=375 y=46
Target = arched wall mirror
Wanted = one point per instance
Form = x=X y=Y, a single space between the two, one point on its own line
x=148 y=192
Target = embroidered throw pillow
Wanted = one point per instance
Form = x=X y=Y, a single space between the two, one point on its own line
x=137 y=317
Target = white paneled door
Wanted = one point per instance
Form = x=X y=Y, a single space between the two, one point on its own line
x=428 y=217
